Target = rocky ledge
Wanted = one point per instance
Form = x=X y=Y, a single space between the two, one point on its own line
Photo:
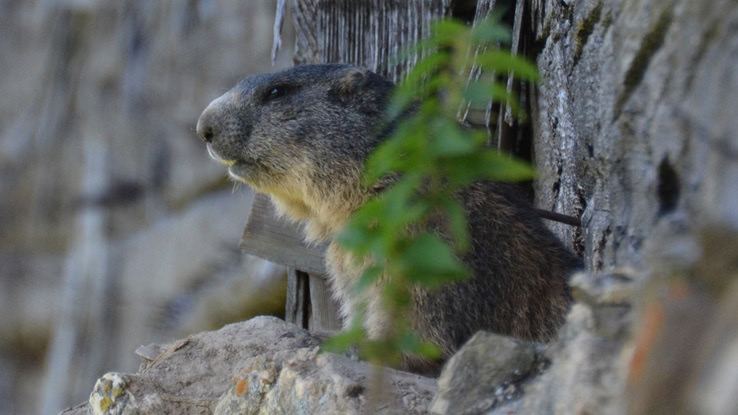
x=261 y=366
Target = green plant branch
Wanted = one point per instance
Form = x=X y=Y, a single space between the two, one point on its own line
x=427 y=159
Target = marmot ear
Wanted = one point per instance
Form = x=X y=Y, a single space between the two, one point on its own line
x=351 y=81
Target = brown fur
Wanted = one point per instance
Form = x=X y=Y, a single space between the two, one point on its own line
x=302 y=136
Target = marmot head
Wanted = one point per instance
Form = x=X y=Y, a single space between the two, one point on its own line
x=299 y=135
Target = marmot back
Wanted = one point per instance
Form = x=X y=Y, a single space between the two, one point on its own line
x=302 y=136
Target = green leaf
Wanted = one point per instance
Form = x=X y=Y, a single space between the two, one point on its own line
x=411 y=343
x=425 y=45
x=457 y=222
x=451 y=140
x=342 y=341
x=363 y=228
x=408 y=93
x=354 y=238
x=369 y=213
x=502 y=95
x=491 y=29
x=479 y=94
x=488 y=32
x=369 y=277
x=500 y=167
x=461 y=171
x=380 y=351
x=428 y=350
x=399 y=209
x=481 y=138
x=396 y=292
x=425 y=68
x=431 y=261
x=503 y=61
x=447 y=32
x=386 y=158
x=487 y=164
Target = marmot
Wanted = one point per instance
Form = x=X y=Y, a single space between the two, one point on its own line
x=302 y=136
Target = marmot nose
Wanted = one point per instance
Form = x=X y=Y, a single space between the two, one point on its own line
x=205 y=128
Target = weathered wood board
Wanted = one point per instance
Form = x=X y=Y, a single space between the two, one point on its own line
x=298 y=297
x=309 y=303
x=324 y=315
x=275 y=239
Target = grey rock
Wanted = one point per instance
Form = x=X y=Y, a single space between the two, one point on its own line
x=632 y=132
x=129 y=80
x=589 y=358
x=81 y=409
x=609 y=297
x=484 y=372
x=261 y=366
x=716 y=377
x=584 y=376
x=685 y=348
x=313 y=383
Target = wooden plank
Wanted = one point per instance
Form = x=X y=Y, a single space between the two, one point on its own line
x=369 y=33
x=298 y=298
x=310 y=304
x=279 y=241
x=324 y=308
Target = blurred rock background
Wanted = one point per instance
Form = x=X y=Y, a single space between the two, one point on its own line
x=116 y=228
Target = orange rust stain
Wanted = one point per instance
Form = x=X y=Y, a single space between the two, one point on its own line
x=241 y=386
x=652 y=321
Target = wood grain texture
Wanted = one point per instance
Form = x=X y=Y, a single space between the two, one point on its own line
x=367 y=33
x=298 y=299
x=309 y=303
x=324 y=316
x=279 y=241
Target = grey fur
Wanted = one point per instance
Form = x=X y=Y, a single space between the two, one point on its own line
x=305 y=146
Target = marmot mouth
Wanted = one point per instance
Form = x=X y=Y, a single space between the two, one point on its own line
x=219 y=159
x=242 y=171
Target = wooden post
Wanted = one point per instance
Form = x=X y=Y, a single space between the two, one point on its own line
x=324 y=314
x=309 y=302
x=298 y=298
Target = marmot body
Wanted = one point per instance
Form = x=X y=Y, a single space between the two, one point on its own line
x=302 y=136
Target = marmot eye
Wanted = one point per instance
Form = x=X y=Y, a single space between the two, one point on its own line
x=276 y=92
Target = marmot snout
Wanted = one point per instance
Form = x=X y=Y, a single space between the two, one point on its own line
x=300 y=136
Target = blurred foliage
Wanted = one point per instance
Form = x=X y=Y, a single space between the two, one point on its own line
x=428 y=158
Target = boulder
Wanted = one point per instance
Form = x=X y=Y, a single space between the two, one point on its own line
x=261 y=366
x=484 y=373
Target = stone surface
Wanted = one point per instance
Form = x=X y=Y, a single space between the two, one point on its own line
x=587 y=368
x=685 y=346
x=632 y=131
x=117 y=228
x=582 y=371
x=261 y=366
x=484 y=373
x=314 y=383
x=632 y=127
